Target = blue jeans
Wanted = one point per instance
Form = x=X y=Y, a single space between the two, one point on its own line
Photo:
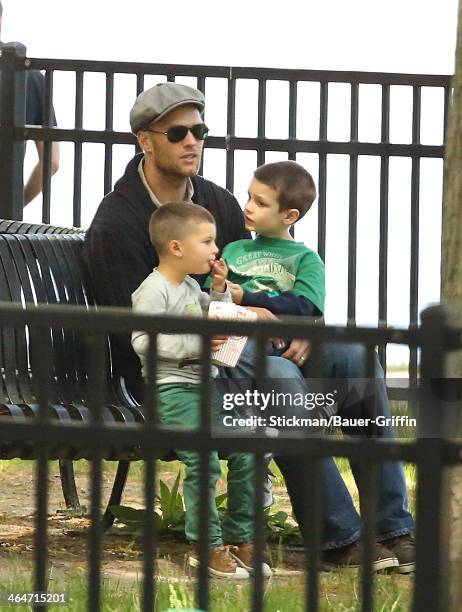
x=342 y=524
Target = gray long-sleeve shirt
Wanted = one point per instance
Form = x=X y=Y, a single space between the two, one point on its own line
x=156 y=295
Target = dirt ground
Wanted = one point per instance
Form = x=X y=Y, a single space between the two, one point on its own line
x=121 y=559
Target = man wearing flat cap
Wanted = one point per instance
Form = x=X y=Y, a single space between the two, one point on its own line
x=167 y=121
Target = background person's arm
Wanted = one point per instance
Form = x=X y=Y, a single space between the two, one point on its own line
x=33 y=186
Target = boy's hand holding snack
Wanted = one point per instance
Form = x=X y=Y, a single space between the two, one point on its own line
x=219 y=271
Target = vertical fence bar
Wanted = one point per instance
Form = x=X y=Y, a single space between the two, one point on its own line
x=293 y=115
x=259 y=534
x=369 y=476
x=203 y=594
x=261 y=129
x=139 y=89
x=259 y=516
x=200 y=83
x=97 y=382
x=415 y=196
x=150 y=396
x=43 y=363
x=47 y=145
x=383 y=228
x=433 y=523
x=371 y=379
x=353 y=208
x=139 y=83
x=150 y=535
x=230 y=129
x=109 y=127
x=292 y=127
x=313 y=529
x=13 y=113
x=201 y=87
x=77 y=198
x=322 y=180
x=150 y=532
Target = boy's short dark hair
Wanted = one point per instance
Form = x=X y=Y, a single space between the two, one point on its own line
x=174 y=220
x=294 y=185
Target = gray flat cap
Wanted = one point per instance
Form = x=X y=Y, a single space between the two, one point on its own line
x=152 y=104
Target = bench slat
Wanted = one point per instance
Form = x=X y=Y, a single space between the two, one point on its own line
x=46 y=268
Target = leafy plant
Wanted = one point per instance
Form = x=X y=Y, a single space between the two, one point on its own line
x=133 y=520
x=221 y=502
x=277 y=526
x=170 y=514
x=171 y=506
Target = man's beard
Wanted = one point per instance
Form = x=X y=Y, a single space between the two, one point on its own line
x=175 y=171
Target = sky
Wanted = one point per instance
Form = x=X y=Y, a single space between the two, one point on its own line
x=415 y=36
x=392 y=36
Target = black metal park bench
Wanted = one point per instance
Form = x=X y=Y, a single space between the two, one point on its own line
x=42 y=264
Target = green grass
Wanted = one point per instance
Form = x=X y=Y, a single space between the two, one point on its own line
x=338 y=592
x=82 y=466
x=398 y=367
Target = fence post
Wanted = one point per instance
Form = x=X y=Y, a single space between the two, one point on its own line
x=13 y=114
x=432 y=507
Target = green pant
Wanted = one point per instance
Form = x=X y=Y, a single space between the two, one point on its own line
x=179 y=407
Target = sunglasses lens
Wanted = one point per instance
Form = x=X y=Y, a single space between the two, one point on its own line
x=177 y=133
x=199 y=131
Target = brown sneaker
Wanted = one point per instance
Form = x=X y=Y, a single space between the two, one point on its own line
x=221 y=563
x=243 y=554
x=350 y=557
x=403 y=547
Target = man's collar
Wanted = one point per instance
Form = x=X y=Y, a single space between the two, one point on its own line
x=189 y=186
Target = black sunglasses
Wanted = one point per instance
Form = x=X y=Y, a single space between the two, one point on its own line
x=177 y=133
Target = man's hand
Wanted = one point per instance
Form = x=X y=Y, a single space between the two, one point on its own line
x=266 y=315
x=219 y=271
x=216 y=342
x=263 y=314
x=236 y=291
x=298 y=351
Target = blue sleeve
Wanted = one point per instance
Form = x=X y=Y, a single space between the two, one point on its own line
x=286 y=303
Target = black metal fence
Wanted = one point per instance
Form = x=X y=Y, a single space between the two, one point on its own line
x=296 y=113
x=432 y=451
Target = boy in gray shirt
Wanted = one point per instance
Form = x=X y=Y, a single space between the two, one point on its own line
x=183 y=235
